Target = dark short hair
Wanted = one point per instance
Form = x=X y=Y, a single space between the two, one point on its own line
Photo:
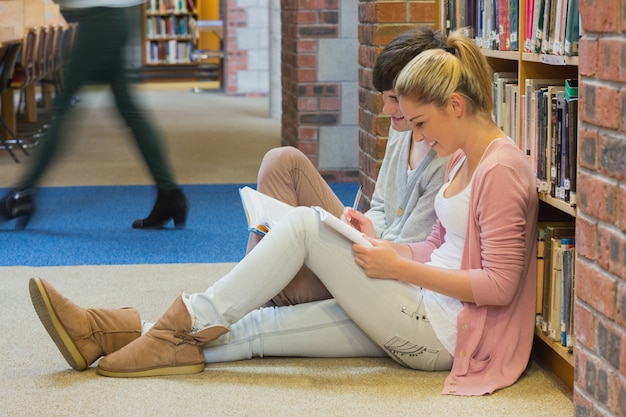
x=400 y=51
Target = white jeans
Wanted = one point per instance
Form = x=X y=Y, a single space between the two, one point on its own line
x=366 y=317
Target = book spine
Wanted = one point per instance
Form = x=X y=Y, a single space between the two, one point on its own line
x=514 y=25
x=504 y=27
x=545 y=33
x=528 y=25
x=572 y=29
x=538 y=25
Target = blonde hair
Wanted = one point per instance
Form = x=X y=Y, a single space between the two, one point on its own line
x=432 y=76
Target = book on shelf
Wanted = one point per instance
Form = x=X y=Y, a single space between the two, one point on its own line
x=547 y=47
x=264 y=212
x=504 y=25
x=551 y=27
x=513 y=112
x=530 y=127
x=568 y=279
x=549 y=233
x=538 y=24
x=572 y=29
x=545 y=38
x=561 y=287
x=529 y=13
x=500 y=79
x=545 y=135
x=471 y=11
x=570 y=153
x=487 y=24
x=480 y=17
x=559 y=27
x=514 y=24
x=556 y=142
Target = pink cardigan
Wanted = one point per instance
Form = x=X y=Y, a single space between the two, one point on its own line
x=495 y=334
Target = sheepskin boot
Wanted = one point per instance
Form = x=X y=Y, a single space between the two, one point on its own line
x=82 y=334
x=170 y=347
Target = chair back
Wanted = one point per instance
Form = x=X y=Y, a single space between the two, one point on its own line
x=7 y=65
x=57 y=55
x=40 y=53
x=26 y=67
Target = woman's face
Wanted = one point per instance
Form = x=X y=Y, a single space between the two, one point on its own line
x=433 y=124
x=392 y=108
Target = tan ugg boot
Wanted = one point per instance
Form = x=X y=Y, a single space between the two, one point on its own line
x=82 y=334
x=168 y=348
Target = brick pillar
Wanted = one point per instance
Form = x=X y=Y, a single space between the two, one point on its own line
x=379 y=23
x=600 y=312
x=246 y=47
x=312 y=104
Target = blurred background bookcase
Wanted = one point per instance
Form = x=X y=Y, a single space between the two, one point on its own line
x=168 y=41
x=533 y=40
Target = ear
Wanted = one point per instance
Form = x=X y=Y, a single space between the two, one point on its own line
x=457 y=103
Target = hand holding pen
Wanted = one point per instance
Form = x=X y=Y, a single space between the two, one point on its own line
x=357 y=219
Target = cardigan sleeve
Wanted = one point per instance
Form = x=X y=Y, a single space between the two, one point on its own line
x=500 y=206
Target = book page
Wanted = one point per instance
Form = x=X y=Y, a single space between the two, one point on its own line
x=262 y=211
x=341 y=227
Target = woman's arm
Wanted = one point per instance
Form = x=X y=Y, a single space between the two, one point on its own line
x=390 y=260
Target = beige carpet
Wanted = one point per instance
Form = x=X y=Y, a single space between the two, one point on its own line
x=213 y=139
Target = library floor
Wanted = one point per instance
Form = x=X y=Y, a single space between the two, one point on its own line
x=212 y=139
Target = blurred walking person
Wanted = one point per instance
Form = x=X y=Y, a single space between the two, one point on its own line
x=98 y=56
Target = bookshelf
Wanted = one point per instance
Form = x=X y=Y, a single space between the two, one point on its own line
x=167 y=33
x=517 y=56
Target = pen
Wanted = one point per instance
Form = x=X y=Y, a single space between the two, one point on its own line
x=357 y=199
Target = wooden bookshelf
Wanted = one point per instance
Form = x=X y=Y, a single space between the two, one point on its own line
x=167 y=33
x=551 y=64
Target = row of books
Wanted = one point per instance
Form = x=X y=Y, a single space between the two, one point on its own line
x=168 y=26
x=552 y=27
x=494 y=22
x=556 y=281
x=171 y=6
x=168 y=52
x=542 y=117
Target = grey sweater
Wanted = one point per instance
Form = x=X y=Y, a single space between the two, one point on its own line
x=403 y=206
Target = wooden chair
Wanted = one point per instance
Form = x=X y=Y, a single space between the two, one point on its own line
x=23 y=75
x=67 y=46
x=54 y=61
x=8 y=138
x=29 y=71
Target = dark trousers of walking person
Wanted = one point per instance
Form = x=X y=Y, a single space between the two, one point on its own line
x=98 y=57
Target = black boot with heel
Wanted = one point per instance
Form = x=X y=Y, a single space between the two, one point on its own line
x=18 y=204
x=170 y=204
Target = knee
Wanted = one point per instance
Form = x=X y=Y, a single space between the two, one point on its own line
x=304 y=219
x=280 y=160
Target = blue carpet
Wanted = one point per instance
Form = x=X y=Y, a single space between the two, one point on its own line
x=92 y=226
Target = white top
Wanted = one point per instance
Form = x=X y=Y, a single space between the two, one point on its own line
x=452 y=212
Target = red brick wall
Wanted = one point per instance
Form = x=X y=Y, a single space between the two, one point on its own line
x=234 y=59
x=600 y=315
x=380 y=22
x=308 y=104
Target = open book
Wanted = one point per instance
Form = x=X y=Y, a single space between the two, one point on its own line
x=264 y=212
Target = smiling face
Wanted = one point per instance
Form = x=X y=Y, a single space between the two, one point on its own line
x=433 y=124
x=391 y=107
